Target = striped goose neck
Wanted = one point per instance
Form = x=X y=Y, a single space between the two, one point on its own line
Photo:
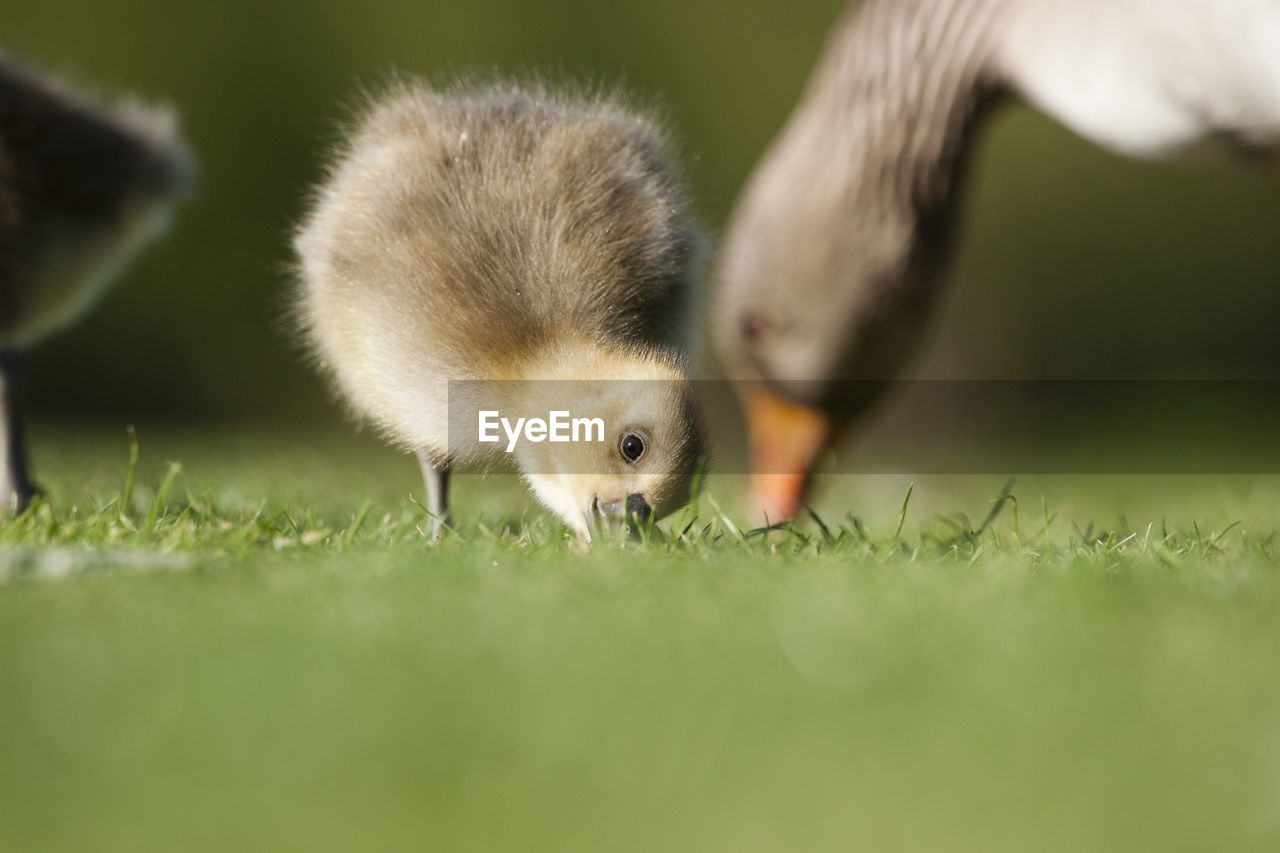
x=901 y=84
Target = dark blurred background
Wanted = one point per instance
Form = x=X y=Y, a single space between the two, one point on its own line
x=1074 y=263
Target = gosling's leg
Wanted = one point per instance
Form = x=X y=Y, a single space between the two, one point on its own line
x=16 y=489
x=436 y=476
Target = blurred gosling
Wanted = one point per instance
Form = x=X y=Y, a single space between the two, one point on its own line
x=82 y=188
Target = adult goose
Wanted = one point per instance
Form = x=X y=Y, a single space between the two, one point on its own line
x=836 y=247
x=82 y=188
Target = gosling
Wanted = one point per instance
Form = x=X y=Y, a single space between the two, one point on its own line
x=82 y=188
x=510 y=248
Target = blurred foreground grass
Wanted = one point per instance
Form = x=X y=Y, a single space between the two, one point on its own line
x=264 y=652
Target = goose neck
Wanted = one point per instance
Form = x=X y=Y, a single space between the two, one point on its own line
x=908 y=80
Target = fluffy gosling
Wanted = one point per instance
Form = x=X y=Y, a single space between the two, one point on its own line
x=510 y=249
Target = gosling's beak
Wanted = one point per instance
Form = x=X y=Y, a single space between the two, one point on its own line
x=634 y=511
x=785 y=439
x=635 y=506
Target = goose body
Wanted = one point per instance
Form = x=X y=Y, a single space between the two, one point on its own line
x=1144 y=77
x=837 y=245
x=82 y=188
x=509 y=249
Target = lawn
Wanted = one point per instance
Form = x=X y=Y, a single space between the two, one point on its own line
x=260 y=650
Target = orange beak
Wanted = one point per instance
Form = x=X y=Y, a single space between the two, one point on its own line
x=784 y=439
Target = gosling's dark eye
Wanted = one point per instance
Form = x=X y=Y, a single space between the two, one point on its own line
x=632 y=447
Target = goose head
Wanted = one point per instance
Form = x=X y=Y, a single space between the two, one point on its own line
x=834 y=249
x=826 y=283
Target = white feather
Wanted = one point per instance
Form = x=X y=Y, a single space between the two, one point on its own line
x=1148 y=77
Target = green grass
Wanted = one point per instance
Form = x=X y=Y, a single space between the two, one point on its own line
x=262 y=650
